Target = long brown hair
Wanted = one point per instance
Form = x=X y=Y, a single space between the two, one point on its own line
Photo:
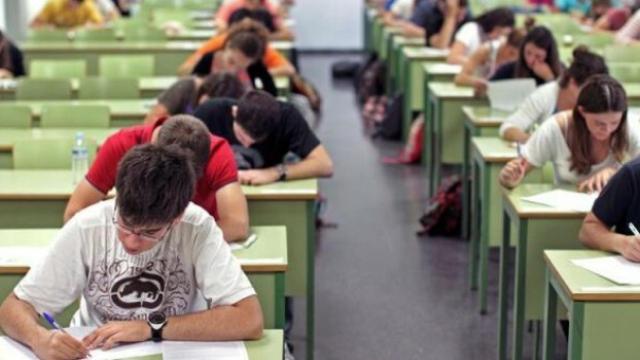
x=600 y=94
x=5 y=54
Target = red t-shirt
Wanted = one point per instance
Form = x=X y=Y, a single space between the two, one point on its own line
x=220 y=170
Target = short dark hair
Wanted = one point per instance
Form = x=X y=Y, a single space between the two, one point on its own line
x=258 y=113
x=191 y=135
x=584 y=65
x=154 y=184
x=542 y=38
x=248 y=37
x=222 y=84
x=501 y=16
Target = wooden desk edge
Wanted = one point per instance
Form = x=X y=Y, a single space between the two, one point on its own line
x=257 y=268
x=590 y=296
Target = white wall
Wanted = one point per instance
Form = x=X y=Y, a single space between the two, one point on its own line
x=3 y=22
x=328 y=24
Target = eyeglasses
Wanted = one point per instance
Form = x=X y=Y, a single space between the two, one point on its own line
x=146 y=235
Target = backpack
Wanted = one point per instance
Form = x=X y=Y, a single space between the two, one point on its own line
x=443 y=215
x=370 y=80
x=391 y=126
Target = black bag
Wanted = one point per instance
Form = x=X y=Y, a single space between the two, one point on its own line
x=370 y=80
x=391 y=126
x=345 y=69
x=443 y=215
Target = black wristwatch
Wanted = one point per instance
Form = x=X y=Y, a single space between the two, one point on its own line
x=282 y=172
x=157 y=321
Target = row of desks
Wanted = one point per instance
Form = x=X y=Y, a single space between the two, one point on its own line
x=498 y=217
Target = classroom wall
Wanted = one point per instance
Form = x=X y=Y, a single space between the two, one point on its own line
x=328 y=24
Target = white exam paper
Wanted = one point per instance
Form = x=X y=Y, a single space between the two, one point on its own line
x=615 y=268
x=564 y=199
x=509 y=94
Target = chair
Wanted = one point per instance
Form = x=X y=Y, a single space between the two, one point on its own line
x=133 y=66
x=100 y=88
x=43 y=89
x=47 y=153
x=75 y=116
x=47 y=35
x=15 y=116
x=57 y=69
x=91 y=35
x=626 y=72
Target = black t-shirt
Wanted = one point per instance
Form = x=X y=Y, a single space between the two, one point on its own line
x=427 y=15
x=619 y=201
x=256 y=71
x=508 y=71
x=292 y=134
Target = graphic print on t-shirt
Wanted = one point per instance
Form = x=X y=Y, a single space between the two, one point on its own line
x=120 y=289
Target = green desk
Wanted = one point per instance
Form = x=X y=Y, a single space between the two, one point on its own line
x=37 y=199
x=9 y=136
x=603 y=322
x=123 y=112
x=444 y=119
x=369 y=15
x=269 y=347
x=412 y=78
x=264 y=262
x=150 y=87
x=479 y=121
x=385 y=40
x=538 y=228
x=398 y=42
x=168 y=55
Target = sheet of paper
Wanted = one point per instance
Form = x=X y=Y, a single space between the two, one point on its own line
x=178 y=350
x=244 y=244
x=21 y=255
x=615 y=268
x=13 y=350
x=128 y=351
x=565 y=199
x=509 y=94
x=261 y=261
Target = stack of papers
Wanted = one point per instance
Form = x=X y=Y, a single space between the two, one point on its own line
x=21 y=255
x=615 y=268
x=565 y=200
x=166 y=350
x=509 y=94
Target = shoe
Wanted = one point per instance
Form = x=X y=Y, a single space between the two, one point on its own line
x=287 y=354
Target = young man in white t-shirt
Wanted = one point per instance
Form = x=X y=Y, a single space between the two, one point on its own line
x=148 y=265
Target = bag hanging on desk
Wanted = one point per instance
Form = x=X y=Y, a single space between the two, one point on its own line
x=443 y=215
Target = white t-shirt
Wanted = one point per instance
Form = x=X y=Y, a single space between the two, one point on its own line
x=548 y=143
x=402 y=8
x=190 y=269
x=535 y=109
x=471 y=35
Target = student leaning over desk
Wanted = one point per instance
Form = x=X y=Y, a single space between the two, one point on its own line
x=586 y=145
x=489 y=26
x=217 y=188
x=148 y=258
x=552 y=97
x=68 y=14
x=262 y=131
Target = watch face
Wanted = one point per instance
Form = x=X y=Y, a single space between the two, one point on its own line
x=157 y=318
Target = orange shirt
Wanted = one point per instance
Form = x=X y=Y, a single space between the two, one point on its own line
x=272 y=58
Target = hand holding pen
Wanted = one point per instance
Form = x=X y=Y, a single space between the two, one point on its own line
x=514 y=171
x=59 y=344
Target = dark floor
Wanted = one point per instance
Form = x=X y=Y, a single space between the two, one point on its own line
x=381 y=292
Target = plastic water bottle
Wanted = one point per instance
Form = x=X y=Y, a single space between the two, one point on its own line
x=79 y=158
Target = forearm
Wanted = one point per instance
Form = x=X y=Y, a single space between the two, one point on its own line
x=466 y=79
x=412 y=30
x=598 y=237
x=235 y=227
x=515 y=134
x=443 y=38
x=282 y=34
x=19 y=320
x=283 y=70
x=242 y=321
x=309 y=168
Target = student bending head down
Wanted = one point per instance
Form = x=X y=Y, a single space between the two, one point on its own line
x=586 y=145
x=121 y=256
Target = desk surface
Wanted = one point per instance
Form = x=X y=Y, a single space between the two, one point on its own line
x=408 y=40
x=133 y=108
x=128 y=45
x=442 y=69
x=57 y=185
x=530 y=210
x=9 y=136
x=449 y=90
x=424 y=53
x=579 y=283
x=267 y=254
x=484 y=116
x=494 y=150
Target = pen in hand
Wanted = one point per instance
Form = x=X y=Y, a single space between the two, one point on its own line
x=54 y=324
x=634 y=231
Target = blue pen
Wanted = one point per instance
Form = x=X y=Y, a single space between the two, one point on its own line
x=54 y=324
